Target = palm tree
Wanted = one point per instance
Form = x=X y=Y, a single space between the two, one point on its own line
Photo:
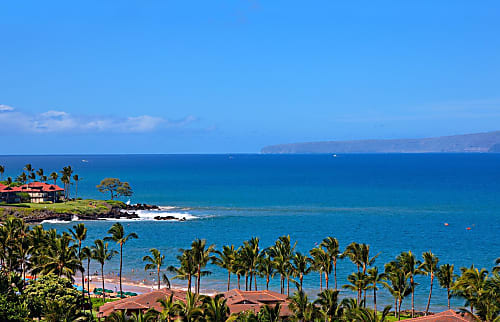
x=429 y=267
x=76 y=178
x=187 y=268
x=446 y=278
x=22 y=178
x=226 y=260
x=154 y=262
x=302 y=309
x=169 y=308
x=54 y=177
x=333 y=250
x=189 y=311
x=328 y=301
x=2 y=170
x=60 y=257
x=359 y=282
x=375 y=278
x=270 y=314
x=87 y=254
x=396 y=282
x=368 y=315
x=266 y=268
x=410 y=266
x=28 y=168
x=471 y=285
x=118 y=236
x=215 y=308
x=79 y=234
x=39 y=173
x=66 y=173
x=300 y=267
x=317 y=263
x=202 y=254
x=101 y=253
x=497 y=266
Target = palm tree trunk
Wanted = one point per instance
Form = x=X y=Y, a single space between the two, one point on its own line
x=399 y=308
x=321 y=281
x=375 y=298
x=288 y=286
x=395 y=307
x=251 y=279
x=430 y=294
x=198 y=280
x=228 y=279
x=412 y=300
x=448 y=291
x=301 y=279
x=335 y=273
x=121 y=261
x=83 y=284
x=267 y=282
x=326 y=279
x=255 y=281
x=158 y=272
x=239 y=277
x=103 y=293
x=189 y=282
x=246 y=281
x=88 y=278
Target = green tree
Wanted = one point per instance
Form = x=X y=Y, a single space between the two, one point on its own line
x=2 y=170
x=266 y=268
x=328 y=301
x=333 y=250
x=410 y=266
x=300 y=267
x=12 y=305
x=374 y=279
x=60 y=258
x=215 y=308
x=429 y=267
x=101 y=253
x=54 y=177
x=118 y=236
x=114 y=187
x=169 y=308
x=446 y=278
x=270 y=314
x=226 y=260
x=76 y=178
x=154 y=262
x=189 y=311
x=79 y=234
x=50 y=288
x=201 y=254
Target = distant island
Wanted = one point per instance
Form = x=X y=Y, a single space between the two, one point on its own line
x=467 y=143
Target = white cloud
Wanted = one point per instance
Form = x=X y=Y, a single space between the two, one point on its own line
x=6 y=108
x=56 y=121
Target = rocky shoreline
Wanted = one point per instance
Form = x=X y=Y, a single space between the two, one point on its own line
x=126 y=212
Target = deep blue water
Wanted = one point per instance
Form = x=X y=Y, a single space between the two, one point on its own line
x=394 y=202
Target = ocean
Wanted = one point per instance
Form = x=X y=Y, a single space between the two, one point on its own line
x=394 y=202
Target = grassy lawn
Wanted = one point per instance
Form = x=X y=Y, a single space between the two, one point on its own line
x=77 y=207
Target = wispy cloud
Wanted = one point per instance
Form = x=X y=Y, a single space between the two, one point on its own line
x=57 y=121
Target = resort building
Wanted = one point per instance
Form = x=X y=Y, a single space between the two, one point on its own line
x=237 y=301
x=446 y=316
x=38 y=192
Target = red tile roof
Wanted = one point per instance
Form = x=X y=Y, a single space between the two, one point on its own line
x=141 y=302
x=32 y=187
x=2 y=186
x=239 y=301
x=446 y=316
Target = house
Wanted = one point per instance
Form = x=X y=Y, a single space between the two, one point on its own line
x=141 y=302
x=237 y=301
x=240 y=301
x=446 y=316
x=38 y=192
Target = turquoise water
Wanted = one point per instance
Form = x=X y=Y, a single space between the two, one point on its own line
x=392 y=202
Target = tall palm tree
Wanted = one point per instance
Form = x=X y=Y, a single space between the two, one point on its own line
x=29 y=169
x=300 y=267
x=226 y=260
x=317 y=263
x=118 y=236
x=281 y=253
x=2 y=170
x=39 y=173
x=359 y=282
x=76 y=178
x=66 y=173
x=375 y=278
x=79 y=234
x=87 y=254
x=202 y=254
x=54 y=177
x=429 y=267
x=154 y=262
x=446 y=278
x=266 y=268
x=410 y=266
x=302 y=309
x=101 y=254
x=187 y=268
x=497 y=265
x=396 y=282
x=333 y=250
x=22 y=178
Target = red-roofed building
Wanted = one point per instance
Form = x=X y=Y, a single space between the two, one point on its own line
x=446 y=316
x=38 y=192
x=241 y=301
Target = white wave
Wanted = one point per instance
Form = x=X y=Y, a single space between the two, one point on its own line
x=55 y=221
x=151 y=214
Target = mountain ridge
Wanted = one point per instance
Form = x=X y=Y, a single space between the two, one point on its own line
x=464 y=143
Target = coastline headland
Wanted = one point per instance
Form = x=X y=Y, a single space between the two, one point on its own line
x=83 y=209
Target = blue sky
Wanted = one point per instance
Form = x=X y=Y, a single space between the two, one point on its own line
x=234 y=76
